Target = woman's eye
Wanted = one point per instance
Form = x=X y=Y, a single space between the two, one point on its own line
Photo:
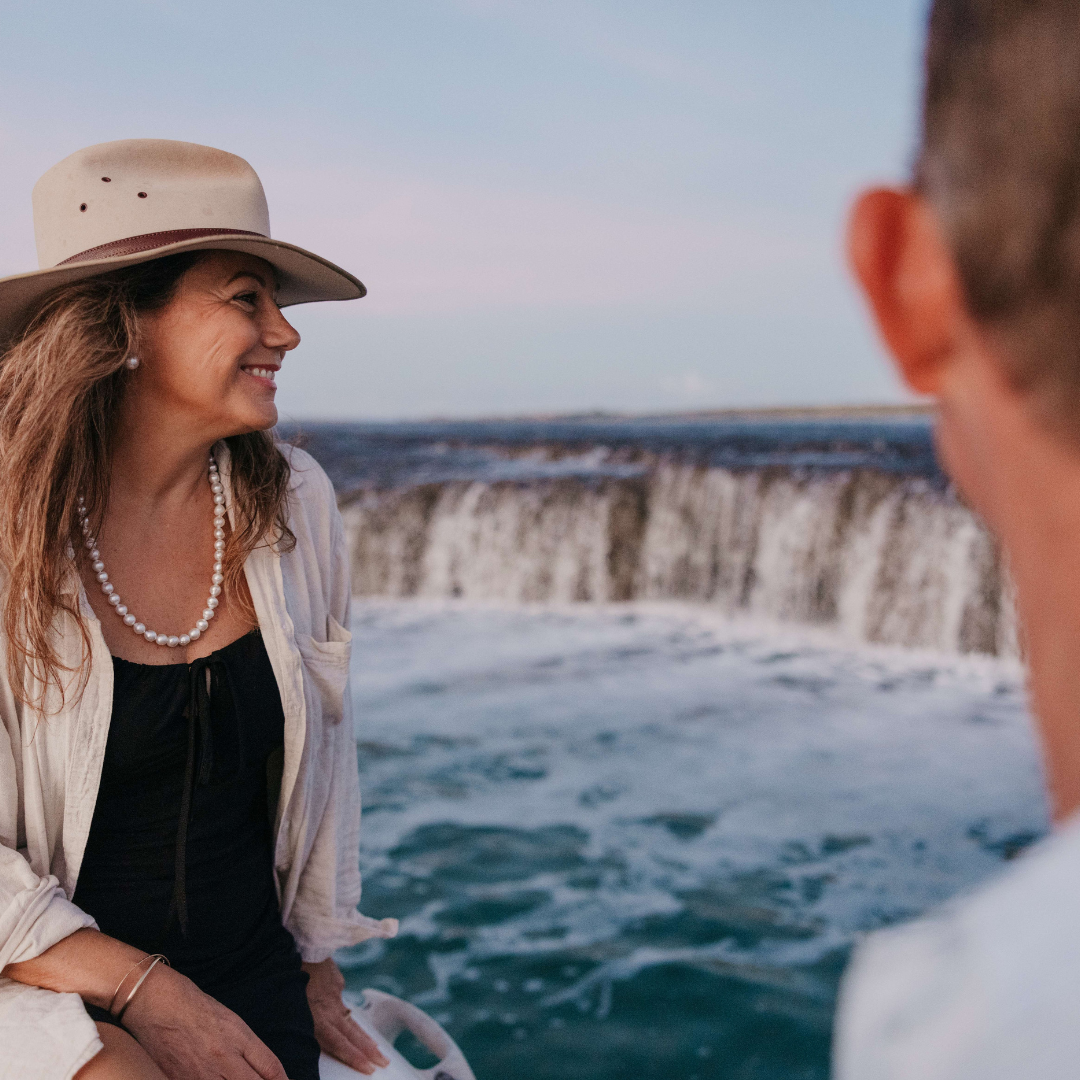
x=248 y=298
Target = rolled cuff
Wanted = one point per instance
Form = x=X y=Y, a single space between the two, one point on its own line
x=36 y=919
x=320 y=939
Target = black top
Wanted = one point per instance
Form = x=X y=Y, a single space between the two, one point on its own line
x=179 y=859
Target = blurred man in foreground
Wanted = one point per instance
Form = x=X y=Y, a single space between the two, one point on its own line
x=973 y=275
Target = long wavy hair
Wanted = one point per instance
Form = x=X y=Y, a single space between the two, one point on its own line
x=61 y=382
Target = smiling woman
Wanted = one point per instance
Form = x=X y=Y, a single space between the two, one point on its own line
x=174 y=589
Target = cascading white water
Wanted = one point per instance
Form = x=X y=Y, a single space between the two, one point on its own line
x=882 y=557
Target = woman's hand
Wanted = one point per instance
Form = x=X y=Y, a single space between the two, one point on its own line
x=191 y=1036
x=338 y=1033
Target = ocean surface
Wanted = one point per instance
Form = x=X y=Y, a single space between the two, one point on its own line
x=637 y=838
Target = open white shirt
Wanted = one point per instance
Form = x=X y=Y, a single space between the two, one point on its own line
x=50 y=767
x=987 y=988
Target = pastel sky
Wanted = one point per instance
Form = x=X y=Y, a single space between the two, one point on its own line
x=557 y=205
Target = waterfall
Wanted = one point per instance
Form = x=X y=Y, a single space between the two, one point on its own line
x=881 y=557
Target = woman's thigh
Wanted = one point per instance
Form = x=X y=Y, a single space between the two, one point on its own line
x=121 y=1059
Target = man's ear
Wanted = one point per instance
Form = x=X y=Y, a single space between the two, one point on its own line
x=908 y=275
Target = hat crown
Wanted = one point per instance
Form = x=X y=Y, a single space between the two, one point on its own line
x=117 y=190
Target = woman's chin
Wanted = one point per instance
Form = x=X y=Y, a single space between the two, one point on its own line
x=260 y=417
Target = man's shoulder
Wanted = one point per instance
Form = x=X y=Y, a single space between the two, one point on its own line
x=986 y=986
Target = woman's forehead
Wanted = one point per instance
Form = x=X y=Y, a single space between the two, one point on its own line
x=225 y=266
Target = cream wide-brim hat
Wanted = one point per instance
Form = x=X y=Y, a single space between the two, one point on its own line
x=123 y=203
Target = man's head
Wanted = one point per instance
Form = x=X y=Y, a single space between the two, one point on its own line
x=974 y=271
x=1000 y=164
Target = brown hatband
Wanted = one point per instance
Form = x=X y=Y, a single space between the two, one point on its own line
x=133 y=245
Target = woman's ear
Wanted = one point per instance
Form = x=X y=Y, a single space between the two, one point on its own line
x=901 y=260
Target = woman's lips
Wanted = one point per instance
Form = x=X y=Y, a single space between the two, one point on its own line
x=263 y=374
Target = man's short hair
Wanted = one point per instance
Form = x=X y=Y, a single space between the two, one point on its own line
x=1000 y=163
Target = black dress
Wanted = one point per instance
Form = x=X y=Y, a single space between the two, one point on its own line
x=179 y=860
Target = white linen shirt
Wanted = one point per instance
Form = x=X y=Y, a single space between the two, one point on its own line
x=986 y=988
x=51 y=760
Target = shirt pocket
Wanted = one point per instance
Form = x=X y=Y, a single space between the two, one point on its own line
x=326 y=669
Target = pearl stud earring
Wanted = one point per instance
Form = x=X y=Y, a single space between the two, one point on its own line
x=132 y=362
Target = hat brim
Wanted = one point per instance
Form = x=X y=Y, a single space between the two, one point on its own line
x=303 y=277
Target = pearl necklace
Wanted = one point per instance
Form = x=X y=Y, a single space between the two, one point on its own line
x=216 y=578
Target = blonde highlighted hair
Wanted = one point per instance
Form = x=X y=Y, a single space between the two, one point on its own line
x=61 y=381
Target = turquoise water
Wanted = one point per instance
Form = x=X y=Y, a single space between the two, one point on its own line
x=638 y=841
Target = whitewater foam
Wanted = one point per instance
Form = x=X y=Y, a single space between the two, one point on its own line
x=574 y=808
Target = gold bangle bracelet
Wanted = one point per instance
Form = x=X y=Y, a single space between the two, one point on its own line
x=157 y=958
x=120 y=985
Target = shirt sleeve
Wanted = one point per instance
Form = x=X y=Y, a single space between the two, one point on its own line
x=325 y=915
x=34 y=912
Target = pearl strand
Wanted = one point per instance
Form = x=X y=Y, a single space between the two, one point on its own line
x=216 y=578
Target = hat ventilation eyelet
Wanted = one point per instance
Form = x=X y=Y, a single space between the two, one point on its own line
x=83 y=208
x=106 y=179
x=142 y=194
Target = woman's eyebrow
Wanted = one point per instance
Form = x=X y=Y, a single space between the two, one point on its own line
x=246 y=273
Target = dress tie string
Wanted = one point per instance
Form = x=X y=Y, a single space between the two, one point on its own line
x=201 y=674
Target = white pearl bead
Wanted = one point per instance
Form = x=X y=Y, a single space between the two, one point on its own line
x=162 y=639
x=103 y=576
x=150 y=636
x=90 y=543
x=219 y=500
x=215 y=590
x=114 y=599
x=212 y=602
x=121 y=609
x=208 y=613
x=172 y=641
x=202 y=625
x=216 y=578
x=195 y=634
x=219 y=545
x=185 y=639
x=216 y=488
x=129 y=619
x=139 y=628
x=217 y=565
x=94 y=553
x=219 y=534
x=108 y=588
x=98 y=566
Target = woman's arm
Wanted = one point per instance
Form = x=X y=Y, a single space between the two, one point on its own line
x=189 y=1035
x=87 y=963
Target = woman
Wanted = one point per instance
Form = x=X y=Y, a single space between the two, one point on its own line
x=177 y=763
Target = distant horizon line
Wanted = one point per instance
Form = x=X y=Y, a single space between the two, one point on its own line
x=786 y=412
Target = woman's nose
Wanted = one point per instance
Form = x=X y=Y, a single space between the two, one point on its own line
x=280 y=333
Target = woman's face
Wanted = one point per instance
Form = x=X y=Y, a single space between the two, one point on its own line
x=209 y=358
